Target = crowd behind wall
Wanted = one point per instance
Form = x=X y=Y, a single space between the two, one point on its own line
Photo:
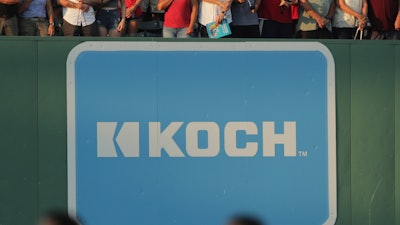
x=319 y=19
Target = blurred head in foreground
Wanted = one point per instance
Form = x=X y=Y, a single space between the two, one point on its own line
x=245 y=220
x=57 y=218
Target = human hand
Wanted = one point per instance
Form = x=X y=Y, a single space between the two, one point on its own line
x=397 y=23
x=189 y=30
x=255 y=9
x=129 y=12
x=51 y=30
x=219 y=19
x=322 y=22
x=84 y=7
x=225 y=6
x=121 y=26
x=285 y=4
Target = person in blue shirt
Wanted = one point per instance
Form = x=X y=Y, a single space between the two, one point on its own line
x=245 y=19
x=33 y=18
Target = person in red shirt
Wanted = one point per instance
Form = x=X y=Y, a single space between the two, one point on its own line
x=295 y=14
x=385 y=19
x=276 y=16
x=179 y=18
x=133 y=16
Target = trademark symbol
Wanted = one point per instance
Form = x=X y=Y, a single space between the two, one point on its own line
x=303 y=153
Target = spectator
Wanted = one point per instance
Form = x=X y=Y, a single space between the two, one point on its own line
x=133 y=16
x=8 y=17
x=57 y=218
x=385 y=19
x=295 y=14
x=213 y=11
x=109 y=21
x=78 y=18
x=33 y=20
x=276 y=17
x=180 y=17
x=245 y=19
x=315 y=19
x=349 y=15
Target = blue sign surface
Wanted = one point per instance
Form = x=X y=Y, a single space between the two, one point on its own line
x=192 y=133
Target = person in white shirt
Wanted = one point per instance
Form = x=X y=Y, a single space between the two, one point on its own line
x=349 y=15
x=213 y=11
x=79 y=18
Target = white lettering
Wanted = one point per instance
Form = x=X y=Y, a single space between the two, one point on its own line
x=231 y=148
x=288 y=139
x=164 y=140
x=192 y=139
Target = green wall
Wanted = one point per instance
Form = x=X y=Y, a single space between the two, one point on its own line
x=33 y=128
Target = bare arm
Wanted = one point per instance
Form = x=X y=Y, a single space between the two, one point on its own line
x=194 y=13
x=364 y=9
x=69 y=4
x=163 y=4
x=122 y=23
x=216 y=2
x=345 y=8
x=137 y=4
x=123 y=9
x=309 y=9
x=50 y=14
x=397 y=23
x=131 y=10
x=9 y=2
x=24 y=6
x=320 y=19
x=256 y=6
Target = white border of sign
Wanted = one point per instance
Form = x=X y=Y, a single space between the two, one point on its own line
x=202 y=46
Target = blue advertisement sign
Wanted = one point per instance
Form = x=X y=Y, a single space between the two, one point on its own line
x=178 y=133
